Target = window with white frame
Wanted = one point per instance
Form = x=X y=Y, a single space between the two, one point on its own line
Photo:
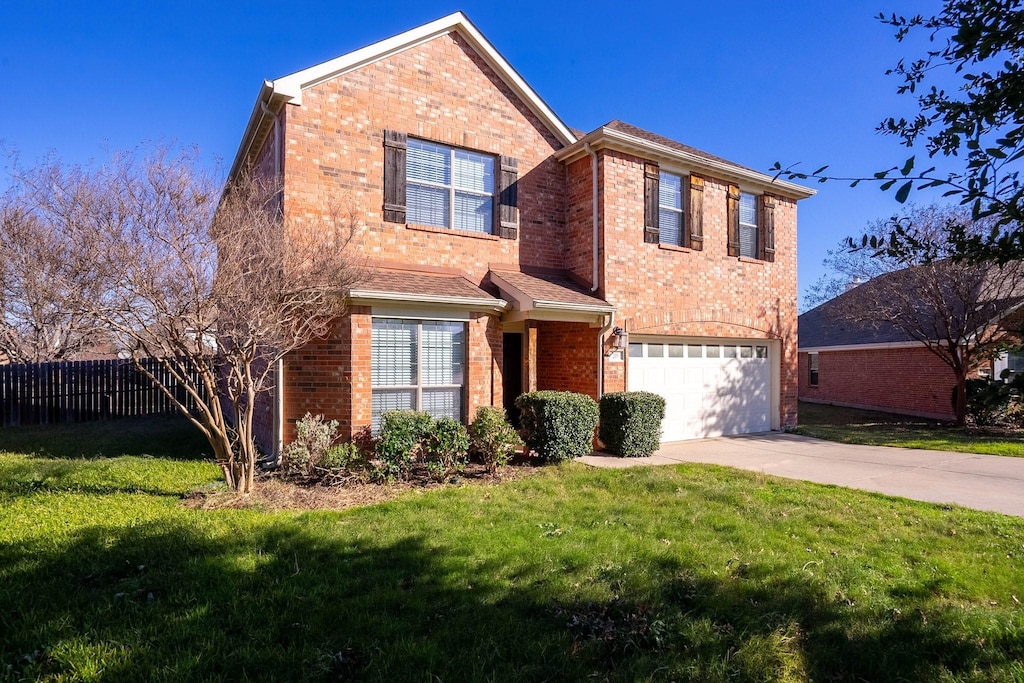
x=812 y=369
x=449 y=187
x=670 y=209
x=748 y=225
x=418 y=365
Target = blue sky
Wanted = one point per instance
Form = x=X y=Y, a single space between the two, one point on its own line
x=754 y=82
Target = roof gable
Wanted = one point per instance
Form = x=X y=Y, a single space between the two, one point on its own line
x=292 y=85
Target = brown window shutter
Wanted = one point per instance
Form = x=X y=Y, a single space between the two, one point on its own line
x=652 y=182
x=733 y=218
x=508 y=199
x=767 y=228
x=695 y=214
x=394 y=176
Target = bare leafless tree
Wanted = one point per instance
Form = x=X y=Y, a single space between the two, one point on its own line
x=37 y=324
x=210 y=280
x=959 y=310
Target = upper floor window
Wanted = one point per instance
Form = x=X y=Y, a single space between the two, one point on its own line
x=428 y=183
x=749 y=244
x=751 y=221
x=673 y=208
x=449 y=187
x=670 y=209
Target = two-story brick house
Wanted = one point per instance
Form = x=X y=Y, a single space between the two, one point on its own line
x=511 y=252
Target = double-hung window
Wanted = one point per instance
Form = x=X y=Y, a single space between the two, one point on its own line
x=670 y=209
x=418 y=365
x=749 y=244
x=812 y=369
x=449 y=187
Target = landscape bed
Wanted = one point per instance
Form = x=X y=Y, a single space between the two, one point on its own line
x=674 y=573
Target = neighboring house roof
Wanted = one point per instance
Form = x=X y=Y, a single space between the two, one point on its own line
x=845 y=321
x=548 y=294
x=626 y=137
x=288 y=89
x=396 y=286
x=827 y=326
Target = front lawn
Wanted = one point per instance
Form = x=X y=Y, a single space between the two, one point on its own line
x=682 y=573
x=851 y=425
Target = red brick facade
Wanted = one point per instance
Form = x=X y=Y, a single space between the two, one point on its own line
x=911 y=381
x=443 y=90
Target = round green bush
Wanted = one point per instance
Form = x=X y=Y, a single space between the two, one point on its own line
x=558 y=425
x=631 y=422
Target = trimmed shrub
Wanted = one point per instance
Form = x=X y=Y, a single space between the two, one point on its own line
x=987 y=400
x=402 y=434
x=343 y=456
x=492 y=438
x=558 y=425
x=446 y=449
x=313 y=437
x=631 y=422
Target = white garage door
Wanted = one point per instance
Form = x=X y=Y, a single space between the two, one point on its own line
x=711 y=388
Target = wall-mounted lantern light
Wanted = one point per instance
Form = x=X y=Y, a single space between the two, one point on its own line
x=621 y=338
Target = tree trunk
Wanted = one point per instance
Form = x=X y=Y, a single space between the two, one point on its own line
x=960 y=405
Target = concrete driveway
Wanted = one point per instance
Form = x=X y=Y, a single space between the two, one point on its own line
x=983 y=482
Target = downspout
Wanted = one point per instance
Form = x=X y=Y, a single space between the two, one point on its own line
x=611 y=316
x=593 y=179
x=280 y=409
x=280 y=363
x=277 y=138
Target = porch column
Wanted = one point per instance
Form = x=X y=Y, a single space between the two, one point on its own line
x=530 y=356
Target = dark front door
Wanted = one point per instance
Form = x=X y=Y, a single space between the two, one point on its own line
x=512 y=374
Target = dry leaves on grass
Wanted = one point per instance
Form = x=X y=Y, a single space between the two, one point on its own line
x=274 y=493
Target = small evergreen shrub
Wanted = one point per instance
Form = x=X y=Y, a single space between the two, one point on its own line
x=987 y=401
x=313 y=437
x=631 y=422
x=402 y=434
x=343 y=457
x=492 y=438
x=446 y=449
x=558 y=425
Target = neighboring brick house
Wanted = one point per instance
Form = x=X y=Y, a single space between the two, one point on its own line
x=849 y=360
x=513 y=253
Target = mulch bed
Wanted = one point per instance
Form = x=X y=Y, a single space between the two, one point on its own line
x=272 y=492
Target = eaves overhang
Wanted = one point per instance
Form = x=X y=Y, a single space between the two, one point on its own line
x=465 y=303
x=879 y=346
x=609 y=138
x=525 y=307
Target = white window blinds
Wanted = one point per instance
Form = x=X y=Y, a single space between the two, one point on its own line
x=448 y=187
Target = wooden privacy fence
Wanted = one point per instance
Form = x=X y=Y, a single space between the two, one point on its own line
x=79 y=391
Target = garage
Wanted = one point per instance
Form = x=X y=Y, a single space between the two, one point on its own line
x=711 y=387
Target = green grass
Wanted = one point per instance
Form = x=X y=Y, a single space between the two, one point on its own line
x=683 y=573
x=851 y=425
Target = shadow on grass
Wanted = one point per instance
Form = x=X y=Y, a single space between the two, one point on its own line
x=166 y=600
x=171 y=436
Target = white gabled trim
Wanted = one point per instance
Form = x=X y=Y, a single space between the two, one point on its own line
x=292 y=85
x=610 y=138
x=374 y=298
x=863 y=347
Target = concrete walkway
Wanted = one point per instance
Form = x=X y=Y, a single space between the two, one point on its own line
x=983 y=482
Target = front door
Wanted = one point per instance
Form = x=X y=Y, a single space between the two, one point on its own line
x=512 y=374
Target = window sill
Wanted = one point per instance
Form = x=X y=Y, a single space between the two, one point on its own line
x=673 y=247
x=456 y=233
x=747 y=259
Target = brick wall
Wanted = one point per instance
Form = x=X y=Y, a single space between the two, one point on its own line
x=676 y=291
x=912 y=381
x=441 y=91
x=567 y=357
